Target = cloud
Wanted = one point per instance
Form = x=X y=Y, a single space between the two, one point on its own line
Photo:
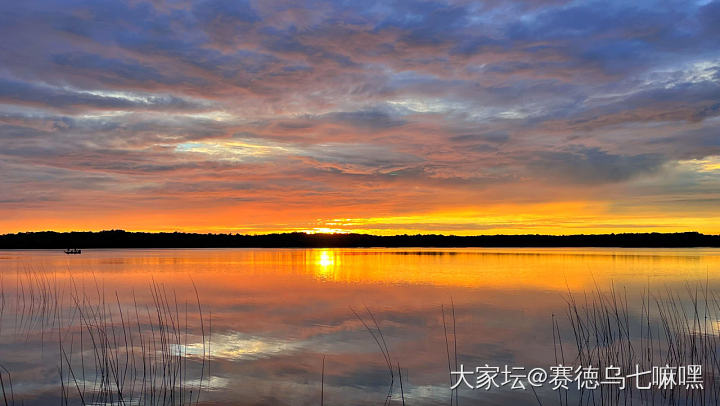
x=365 y=119
x=407 y=106
x=52 y=97
x=592 y=165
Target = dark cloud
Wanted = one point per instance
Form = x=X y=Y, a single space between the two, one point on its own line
x=493 y=137
x=112 y=71
x=709 y=15
x=365 y=119
x=584 y=165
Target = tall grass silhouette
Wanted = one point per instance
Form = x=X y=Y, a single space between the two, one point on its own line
x=670 y=327
x=108 y=350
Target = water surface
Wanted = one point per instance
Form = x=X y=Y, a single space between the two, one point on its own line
x=270 y=316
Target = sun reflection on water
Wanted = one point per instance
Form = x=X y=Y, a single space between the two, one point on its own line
x=325 y=259
x=325 y=264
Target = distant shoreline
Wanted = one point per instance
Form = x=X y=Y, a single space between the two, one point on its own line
x=125 y=239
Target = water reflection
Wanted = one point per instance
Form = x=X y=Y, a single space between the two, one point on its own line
x=273 y=314
x=325 y=263
x=236 y=346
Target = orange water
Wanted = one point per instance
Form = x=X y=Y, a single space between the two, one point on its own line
x=277 y=312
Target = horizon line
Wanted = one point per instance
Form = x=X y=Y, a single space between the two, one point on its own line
x=348 y=233
x=124 y=239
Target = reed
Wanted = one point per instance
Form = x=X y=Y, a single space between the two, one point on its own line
x=379 y=339
x=675 y=328
x=109 y=351
x=447 y=350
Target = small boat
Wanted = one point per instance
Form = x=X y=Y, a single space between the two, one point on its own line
x=73 y=251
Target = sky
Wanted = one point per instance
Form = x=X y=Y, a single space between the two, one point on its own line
x=387 y=117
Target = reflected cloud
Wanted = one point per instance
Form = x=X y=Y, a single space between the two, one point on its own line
x=211 y=383
x=237 y=346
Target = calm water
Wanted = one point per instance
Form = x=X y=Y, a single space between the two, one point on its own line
x=268 y=317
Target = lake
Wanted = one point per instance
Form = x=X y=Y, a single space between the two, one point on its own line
x=292 y=326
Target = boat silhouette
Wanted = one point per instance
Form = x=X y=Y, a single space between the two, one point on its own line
x=73 y=251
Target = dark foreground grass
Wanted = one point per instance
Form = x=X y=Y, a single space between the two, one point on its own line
x=109 y=352
x=668 y=328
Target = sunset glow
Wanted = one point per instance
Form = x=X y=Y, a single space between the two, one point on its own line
x=552 y=117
